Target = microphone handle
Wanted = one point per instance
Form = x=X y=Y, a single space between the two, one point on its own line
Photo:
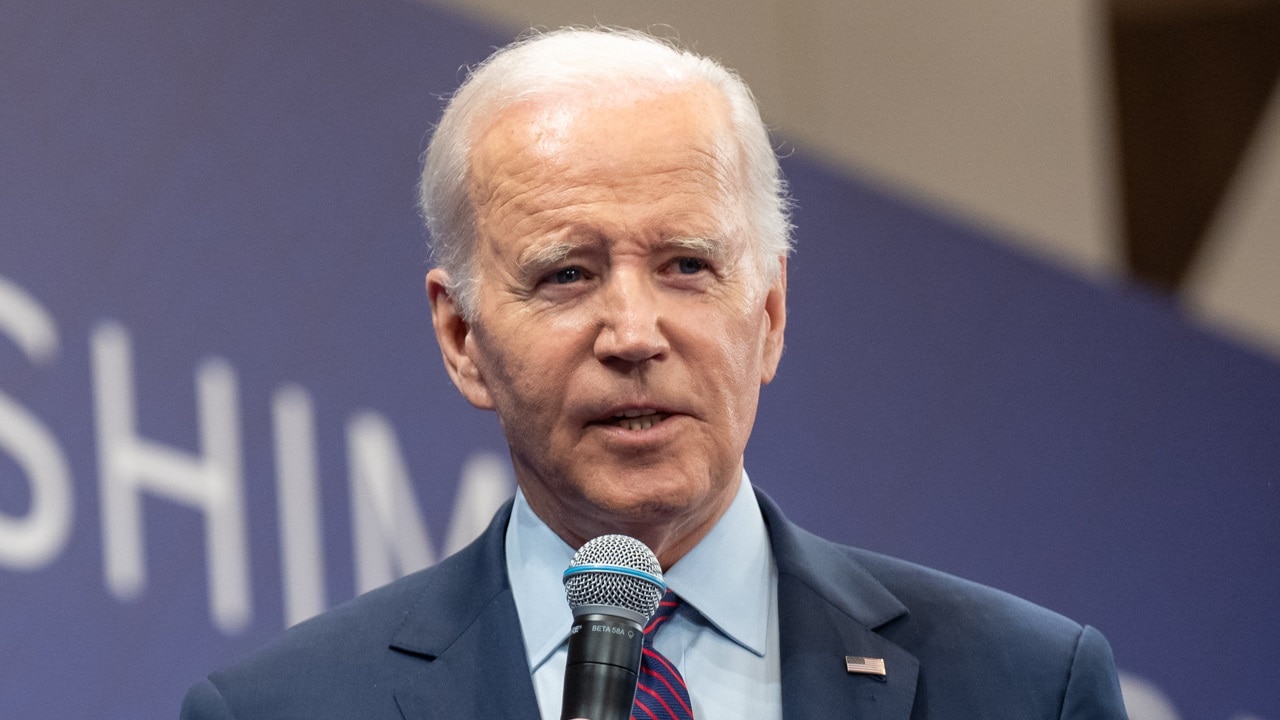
x=603 y=665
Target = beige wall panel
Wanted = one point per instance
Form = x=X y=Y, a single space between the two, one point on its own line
x=1236 y=285
x=992 y=108
x=995 y=109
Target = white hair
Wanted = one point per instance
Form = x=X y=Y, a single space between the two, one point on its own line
x=577 y=61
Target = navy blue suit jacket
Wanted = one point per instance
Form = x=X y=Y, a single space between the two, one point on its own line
x=446 y=643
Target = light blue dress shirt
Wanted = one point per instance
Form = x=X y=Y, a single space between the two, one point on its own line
x=723 y=638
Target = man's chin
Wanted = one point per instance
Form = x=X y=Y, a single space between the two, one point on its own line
x=653 y=512
x=632 y=511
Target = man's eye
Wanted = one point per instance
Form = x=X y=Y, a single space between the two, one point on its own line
x=690 y=266
x=564 y=276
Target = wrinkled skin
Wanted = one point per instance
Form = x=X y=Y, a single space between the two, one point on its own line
x=622 y=329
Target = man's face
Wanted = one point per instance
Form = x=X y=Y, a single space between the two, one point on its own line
x=622 y=329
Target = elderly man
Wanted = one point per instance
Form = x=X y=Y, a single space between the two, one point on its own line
x=610 y=228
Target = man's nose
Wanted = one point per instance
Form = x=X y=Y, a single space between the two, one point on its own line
x=631 y=323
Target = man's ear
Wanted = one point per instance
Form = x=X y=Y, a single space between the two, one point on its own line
x=457 y=344
x=775 y=311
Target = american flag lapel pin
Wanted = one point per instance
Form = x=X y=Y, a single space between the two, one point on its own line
x=857 y=665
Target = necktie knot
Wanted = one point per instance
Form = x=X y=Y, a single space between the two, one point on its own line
x=660 y=692
x=666 y=608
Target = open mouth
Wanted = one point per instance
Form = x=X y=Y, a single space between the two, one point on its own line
x=637 y=419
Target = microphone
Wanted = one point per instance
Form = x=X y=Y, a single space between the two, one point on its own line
x=613 y=585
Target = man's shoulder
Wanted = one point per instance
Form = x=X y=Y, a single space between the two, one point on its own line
x=887 y=590
x=369 y=619
x=937 y=600
x=335 y=657
x=342 y=662
x=981 y=647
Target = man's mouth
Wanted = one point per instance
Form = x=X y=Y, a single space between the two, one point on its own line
x=637 y=419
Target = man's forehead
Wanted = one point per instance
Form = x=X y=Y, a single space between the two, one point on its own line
x=599 y=121
x=669 y=156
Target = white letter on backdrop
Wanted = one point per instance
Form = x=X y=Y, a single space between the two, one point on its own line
x=389 y=533
x=298 y=504
x=130 y=465
x=35 y=539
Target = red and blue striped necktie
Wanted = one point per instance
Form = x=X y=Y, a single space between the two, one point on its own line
x=660 y=692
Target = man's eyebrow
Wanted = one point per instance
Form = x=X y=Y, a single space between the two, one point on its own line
x=537 y=260
x=708 y=247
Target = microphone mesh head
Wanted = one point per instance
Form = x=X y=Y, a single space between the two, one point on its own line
x=602 y=587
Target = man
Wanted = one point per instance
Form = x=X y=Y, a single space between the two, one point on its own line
x=610 y=228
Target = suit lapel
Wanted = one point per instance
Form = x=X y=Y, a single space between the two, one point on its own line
x=465 y=630
x=829 y=607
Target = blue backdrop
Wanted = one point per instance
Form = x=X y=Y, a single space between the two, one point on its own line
x=211 y=305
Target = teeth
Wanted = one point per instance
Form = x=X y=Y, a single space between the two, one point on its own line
x=641 y=420
x=640 y=423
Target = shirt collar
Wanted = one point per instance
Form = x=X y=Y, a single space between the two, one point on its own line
x=726 y=577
